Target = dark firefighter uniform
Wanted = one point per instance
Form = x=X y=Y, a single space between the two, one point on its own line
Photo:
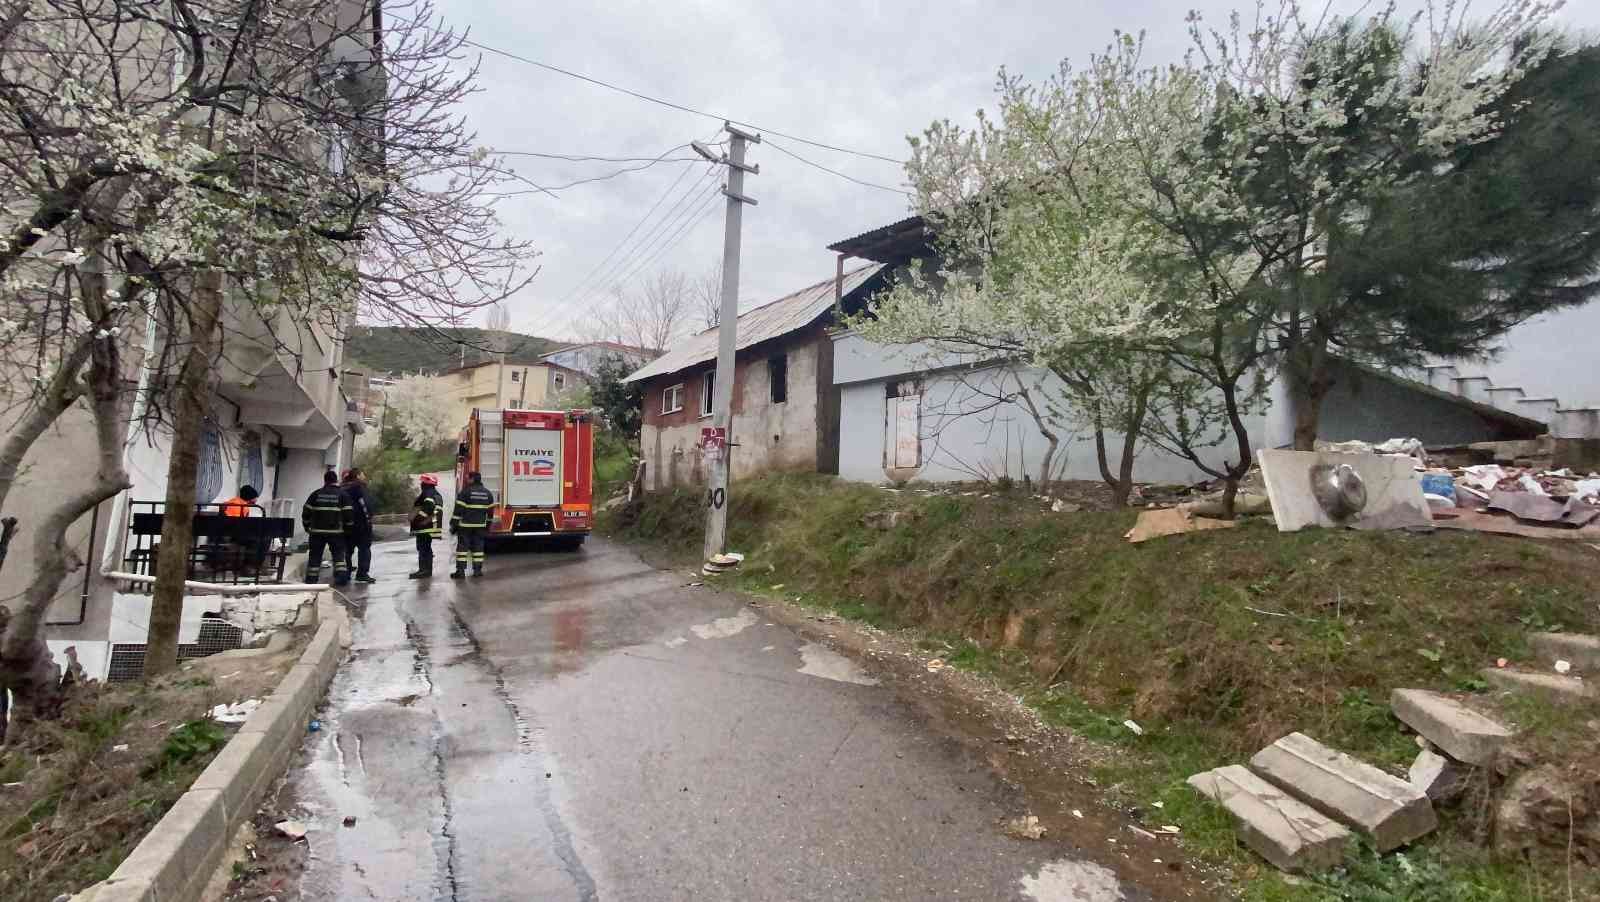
x=470 y=522
x=427 y=524
x=327 y=515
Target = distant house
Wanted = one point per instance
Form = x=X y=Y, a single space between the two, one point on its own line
x=785 y=405
x=585 y=357
x=906 y=414
x=518 y=382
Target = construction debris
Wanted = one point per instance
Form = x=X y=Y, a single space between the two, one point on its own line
x=1333 y=489
x=1153 y=524
x=1390 y=810
x=1538 y=507
x=1459 y=731
x=1550 y=686
x=1281 y=829
x=721 y=563
x=1025 y=827
x=1582 y=651
x=1439 y=778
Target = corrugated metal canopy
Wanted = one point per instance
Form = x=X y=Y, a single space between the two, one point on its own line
x=763 y=323
x=893 y=243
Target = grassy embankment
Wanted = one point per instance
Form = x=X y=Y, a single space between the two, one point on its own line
x=1217 y=643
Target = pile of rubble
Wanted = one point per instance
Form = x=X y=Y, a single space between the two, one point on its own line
x=1299 y=802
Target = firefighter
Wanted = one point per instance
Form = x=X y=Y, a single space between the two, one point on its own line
x=427 y=521
x=358 y=539
x=327 y=516
x=470 y=522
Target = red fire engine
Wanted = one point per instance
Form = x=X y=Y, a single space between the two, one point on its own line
x=540 y=466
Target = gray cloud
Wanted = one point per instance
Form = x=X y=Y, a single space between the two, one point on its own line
x=857 y=75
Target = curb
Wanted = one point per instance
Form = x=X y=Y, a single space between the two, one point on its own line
x=177 y=858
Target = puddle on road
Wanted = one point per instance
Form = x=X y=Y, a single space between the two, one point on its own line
x=724 y=627
x=821 y=661
x=1073 y=881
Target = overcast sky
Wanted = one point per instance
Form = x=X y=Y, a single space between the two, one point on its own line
x=860 y=76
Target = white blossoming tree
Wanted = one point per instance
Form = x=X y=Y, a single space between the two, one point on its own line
x=422 y=412
x=205 y=176
x=1170 y=229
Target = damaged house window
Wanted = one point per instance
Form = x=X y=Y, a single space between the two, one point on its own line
x=778 y=377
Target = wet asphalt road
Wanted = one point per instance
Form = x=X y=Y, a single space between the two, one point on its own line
x=581 y=726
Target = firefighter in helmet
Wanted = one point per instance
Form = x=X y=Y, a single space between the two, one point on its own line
x=427 y=522
x=327 y=516
x=470 y=523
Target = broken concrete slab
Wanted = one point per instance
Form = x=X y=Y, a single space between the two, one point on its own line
x=1390 y=810
x=1583 y=651
x=1549 y=686
x=1393 y=490
x=1280 y=828
x=1459 y=731
x=1439 y=778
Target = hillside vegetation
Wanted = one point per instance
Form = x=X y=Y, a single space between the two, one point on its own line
x=1216 y=643
x=402 y=349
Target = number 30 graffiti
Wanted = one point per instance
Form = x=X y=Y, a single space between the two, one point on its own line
x=716 y=498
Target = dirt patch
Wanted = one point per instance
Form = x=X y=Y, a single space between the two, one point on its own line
x=80 y=791
x=267 y=865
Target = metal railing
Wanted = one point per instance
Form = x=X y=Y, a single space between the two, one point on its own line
x=252 y=549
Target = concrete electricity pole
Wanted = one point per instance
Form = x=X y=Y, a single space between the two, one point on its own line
x=717 y=443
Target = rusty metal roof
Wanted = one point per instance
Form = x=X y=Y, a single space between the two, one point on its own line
x=771 y=320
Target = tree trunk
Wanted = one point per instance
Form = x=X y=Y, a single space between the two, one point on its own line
x=25 y=665
x=63 y=389
x=1309 y=383
x=189 y=405
x=1121 y=483
x=1048 y=463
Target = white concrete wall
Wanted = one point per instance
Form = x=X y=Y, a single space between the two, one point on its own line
x=965 y=435
x=1549 y=356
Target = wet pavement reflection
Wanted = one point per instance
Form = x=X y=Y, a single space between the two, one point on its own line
x=578 y=726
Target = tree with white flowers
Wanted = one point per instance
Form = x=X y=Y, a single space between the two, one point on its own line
x=210 y=175
x=423 y=412
x=1183 y=230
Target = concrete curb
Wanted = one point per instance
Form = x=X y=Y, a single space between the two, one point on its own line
x=185 y=848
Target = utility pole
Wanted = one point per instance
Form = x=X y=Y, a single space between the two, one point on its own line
x=718 y=444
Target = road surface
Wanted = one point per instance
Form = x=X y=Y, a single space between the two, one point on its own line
x=582 y=726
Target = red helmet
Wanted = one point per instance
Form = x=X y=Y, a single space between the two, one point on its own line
x=428 y=479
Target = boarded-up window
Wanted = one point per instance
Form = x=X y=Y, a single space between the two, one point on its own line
x=905 y=418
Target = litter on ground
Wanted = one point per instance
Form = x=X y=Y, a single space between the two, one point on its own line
x=238 y=712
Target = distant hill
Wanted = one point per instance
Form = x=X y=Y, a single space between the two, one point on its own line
x=405 y=349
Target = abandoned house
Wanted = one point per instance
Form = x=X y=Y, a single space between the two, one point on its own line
x=906 y=413
x=785 y=405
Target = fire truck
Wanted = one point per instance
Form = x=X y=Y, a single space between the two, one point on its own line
x=540 y=466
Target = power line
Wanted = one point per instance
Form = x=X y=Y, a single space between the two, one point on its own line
x=663 y=157
x=630 y=264
x=676 y=106
x=626 y=265
x=849 y=178
x=589 y=276
x=578 y=158
x=693 y=218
